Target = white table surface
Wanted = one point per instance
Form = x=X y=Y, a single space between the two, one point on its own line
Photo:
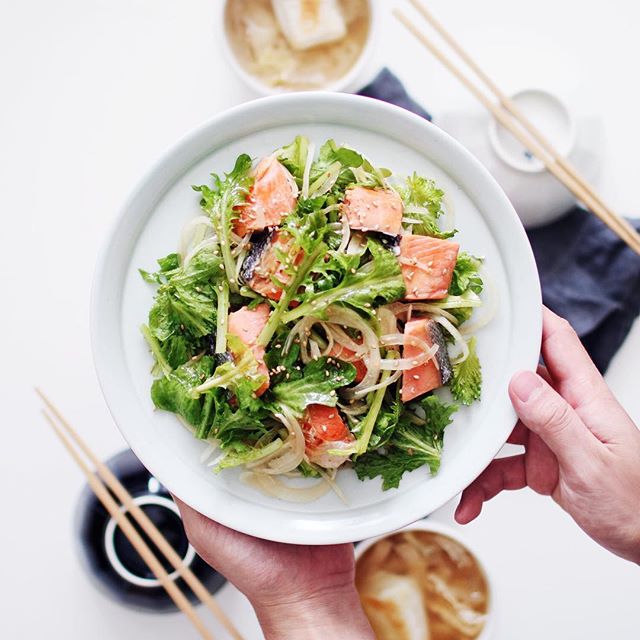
x=91 y=92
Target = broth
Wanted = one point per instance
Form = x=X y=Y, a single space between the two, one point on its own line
x=443 y=576
x=262 y=50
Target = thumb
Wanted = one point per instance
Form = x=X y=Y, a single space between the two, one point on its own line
x=549 y=415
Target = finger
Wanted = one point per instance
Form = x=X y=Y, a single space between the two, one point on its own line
x=568 y=362
x=502 y=474
x=519 y=435
x=547 y=414
x=543 y=372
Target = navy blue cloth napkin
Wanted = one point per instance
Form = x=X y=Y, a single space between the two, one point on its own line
x=588 y=275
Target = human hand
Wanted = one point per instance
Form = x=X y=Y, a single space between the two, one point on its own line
x=297 y=591
x=581 y=447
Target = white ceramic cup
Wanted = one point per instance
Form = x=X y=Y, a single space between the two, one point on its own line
x=454 y=534
x=550 y=115
x=349 y=82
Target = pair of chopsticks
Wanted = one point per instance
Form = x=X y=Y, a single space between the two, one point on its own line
x=105 y=481
x=509 y=115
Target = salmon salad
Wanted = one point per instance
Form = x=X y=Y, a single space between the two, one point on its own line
x=318 y=315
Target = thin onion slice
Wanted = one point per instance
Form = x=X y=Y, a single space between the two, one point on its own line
x=406 y=310
x=190 y=231
x=400 y=339
x=307 y=170
x=276 y=488
x=346 y=235
x=490 y=304
x=385 y=383
x=459 y=340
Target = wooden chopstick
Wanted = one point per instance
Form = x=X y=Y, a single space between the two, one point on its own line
x=509 y=116
x=130 y=532
x=627 y=232
x=145 y=523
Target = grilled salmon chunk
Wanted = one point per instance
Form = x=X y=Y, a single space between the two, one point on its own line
x=431 y=374
x=247 y=324
x=272 y=196
x=373 y=210
x=427 y=266
x=324 y=431
x=263 y=269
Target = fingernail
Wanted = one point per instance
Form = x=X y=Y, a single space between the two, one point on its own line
x=524 y=384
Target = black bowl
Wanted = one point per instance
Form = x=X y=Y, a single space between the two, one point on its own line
x=109 y=558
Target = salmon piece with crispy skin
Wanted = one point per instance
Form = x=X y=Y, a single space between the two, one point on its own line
x=264 y=263
x=431 y=374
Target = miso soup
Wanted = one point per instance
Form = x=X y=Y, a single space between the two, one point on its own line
x=263 y=51
x=422 y=585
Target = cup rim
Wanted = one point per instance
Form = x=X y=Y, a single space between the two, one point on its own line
x=340 y=84
x=538 y=166
x=112 y=555
x=437 y=527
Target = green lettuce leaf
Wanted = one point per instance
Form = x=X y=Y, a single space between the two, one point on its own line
x=423 y=201
x=184 y=310
x=466 y=381
x=294 y=157
x=415 y=442
x=219 y=202
x=173 y=392
x=377 y=282
x=339 y=167
x=466 y=275
x=318 y=384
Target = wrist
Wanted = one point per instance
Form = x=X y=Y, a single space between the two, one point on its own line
x=319 y=616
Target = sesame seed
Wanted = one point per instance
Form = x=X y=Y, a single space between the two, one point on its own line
x=416 y=376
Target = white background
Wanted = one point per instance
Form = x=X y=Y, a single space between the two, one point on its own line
x=91 y=92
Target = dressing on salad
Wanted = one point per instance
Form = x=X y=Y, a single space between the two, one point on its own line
x=309 y=315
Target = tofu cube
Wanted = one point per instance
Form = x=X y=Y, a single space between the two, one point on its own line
x=309 y=23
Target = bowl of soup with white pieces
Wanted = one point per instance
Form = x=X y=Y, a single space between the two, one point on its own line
x=298 y=45
x=423 y=583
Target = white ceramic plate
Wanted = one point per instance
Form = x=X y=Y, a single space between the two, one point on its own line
x=149 y=226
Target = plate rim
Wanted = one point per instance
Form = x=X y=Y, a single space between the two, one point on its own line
x=252 y=524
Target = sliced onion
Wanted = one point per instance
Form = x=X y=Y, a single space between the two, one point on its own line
x=330 y=341
x=387 y=319
x=330 y=478
x=190 y=231
x=208 y=451
x=307 y=170
x=459 y=340
x=349 y=318
x=354 y=409
x=391 y=364
x=357 y=244
x=205 y=244
x=490 y=304
x=449 y=210
x=342 y=338
x=346 y=235
x=331 y=176
x=361 y=393
x=276 y=488
x=400 y=309
x=291 y=453
x=314 y=349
